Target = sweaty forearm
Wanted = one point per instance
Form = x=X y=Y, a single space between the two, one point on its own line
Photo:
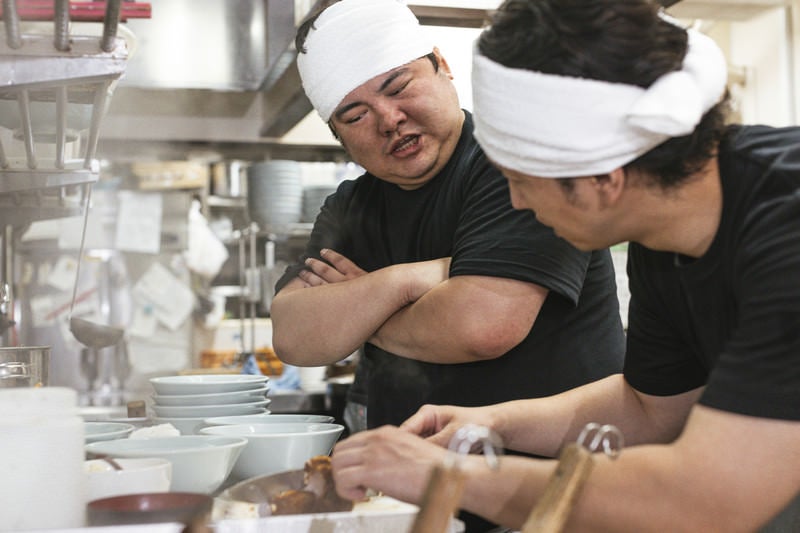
x=321 y=325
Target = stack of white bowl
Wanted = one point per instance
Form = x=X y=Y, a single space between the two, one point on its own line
x=275 y=193
x=313 y=198
x=185 y=401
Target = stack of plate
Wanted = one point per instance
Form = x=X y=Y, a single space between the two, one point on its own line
x=184 y=401
x=313 y=198
x=275 y=193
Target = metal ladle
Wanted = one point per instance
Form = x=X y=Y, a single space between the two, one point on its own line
x=90 y=334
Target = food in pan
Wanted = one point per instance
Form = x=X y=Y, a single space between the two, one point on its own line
x=318 y=494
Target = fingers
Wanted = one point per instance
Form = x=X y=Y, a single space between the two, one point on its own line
x=310 y=278
x=341 y=263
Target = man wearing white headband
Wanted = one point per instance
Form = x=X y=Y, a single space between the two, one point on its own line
x=607 y=119
x=455 y=297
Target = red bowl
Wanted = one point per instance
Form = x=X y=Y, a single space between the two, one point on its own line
x=149 y=508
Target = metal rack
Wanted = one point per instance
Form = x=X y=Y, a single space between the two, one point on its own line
x=62 y=82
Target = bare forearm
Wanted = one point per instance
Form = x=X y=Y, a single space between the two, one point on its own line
x=463 y=319
x=541 y=426
x=320 y=325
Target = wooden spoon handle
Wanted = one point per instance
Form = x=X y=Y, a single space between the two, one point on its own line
x=440 y=501
x=554 y=507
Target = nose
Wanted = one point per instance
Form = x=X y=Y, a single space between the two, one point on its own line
x=390 y=117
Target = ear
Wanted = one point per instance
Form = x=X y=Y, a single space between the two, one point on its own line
x=610 y=186
x=444 y=68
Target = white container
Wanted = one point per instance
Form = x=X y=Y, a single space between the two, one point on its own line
x=138 y=475
x=42 y=482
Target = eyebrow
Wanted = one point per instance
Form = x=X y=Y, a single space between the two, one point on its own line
x=388 y=81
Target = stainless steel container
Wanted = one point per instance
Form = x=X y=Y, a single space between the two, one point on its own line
x=24 y=366
x=229 y=179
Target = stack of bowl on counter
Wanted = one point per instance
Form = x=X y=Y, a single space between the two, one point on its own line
x=230 y=472
x=185 y=401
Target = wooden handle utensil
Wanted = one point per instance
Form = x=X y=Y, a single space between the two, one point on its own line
x=574 y=466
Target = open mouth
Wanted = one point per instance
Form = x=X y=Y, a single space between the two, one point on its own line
x=405 y=145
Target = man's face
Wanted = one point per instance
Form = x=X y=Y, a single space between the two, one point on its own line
x=402 y=126
x=575 y=214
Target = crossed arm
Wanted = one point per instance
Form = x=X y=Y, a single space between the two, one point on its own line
x=411 y=309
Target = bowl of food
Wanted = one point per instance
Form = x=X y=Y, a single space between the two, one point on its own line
x=200 y=463
x=267 y=418
x=126 y=476
x=150 y=508
x=275 y=448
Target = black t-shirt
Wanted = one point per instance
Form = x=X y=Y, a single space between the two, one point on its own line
x=465 y=212
x=729 y=320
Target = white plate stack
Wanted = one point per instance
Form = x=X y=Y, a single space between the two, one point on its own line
x=313 y=198
x=184 y=401
x=275 y=193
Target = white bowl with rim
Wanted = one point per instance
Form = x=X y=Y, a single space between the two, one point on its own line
x=138 y=475
x=207 y=383
x=248 y=408
x=200 y=463
x=273 y=448
x=217 y=398
x=268 y=418
x=186 y=425
x=97 y=431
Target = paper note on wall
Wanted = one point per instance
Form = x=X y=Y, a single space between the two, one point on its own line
x=172 y=301
x=139 y=222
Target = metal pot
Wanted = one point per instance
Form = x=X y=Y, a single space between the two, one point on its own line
x=24 y=366
x=229 y=179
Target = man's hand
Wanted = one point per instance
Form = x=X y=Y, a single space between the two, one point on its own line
x=387 y=460
x=438 y=423
x=337 y=268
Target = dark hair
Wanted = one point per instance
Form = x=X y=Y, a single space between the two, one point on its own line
x=620 y=41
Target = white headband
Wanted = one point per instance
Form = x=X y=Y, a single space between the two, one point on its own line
x=559 y=126
x=352 y=42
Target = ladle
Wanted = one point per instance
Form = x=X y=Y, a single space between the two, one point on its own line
x=90 y=334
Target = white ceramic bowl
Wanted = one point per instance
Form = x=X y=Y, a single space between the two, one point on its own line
x=218 y=398
x=200 y=463
x=187 y=425
x=273 y=448
x=145 y=474
x=267 y=418
x=97 y=431
x=207 y=383
x=249 y=408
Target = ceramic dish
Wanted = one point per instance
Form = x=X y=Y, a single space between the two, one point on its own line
x=200 y=463
x=267 y=418
x=97 y=431
x=207 y=383
x=147 y=508
x=142 y=474
x=275 y=448
x=249 y=408
x=218 y=398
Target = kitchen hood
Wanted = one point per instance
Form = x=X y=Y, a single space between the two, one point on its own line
x=220 y=75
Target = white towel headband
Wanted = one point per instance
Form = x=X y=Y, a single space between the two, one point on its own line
x=559 y=126
x=352 y=42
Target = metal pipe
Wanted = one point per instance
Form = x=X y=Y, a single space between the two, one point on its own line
x=110 y=25
x=61 y=124
x=61 y=41
x=24 y=100
x=11 y=21
x=100 y=95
